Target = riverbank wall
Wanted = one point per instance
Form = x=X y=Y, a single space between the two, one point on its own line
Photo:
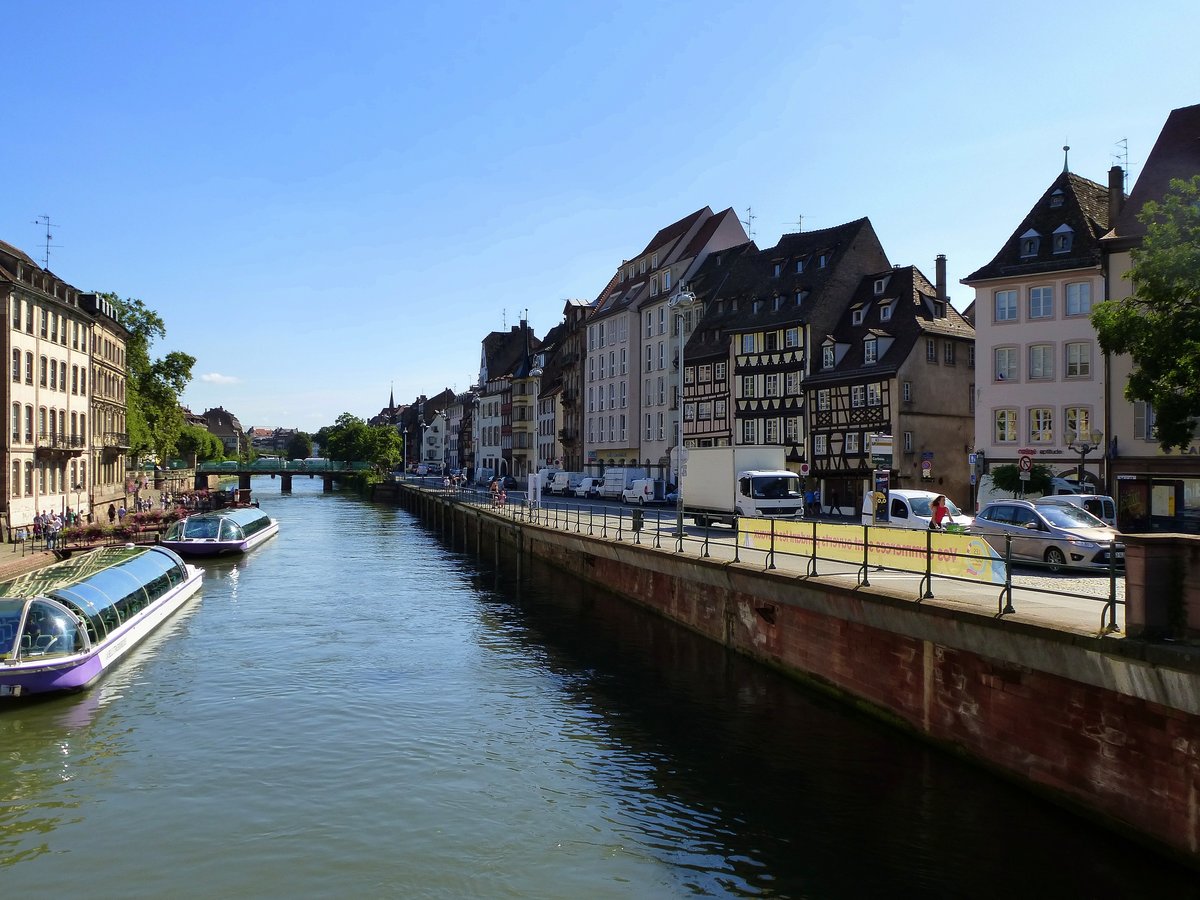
x=1108 y=726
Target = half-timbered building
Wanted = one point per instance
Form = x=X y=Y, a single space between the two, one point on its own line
x=900 y=362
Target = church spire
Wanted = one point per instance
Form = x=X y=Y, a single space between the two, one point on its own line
x=1066 y=150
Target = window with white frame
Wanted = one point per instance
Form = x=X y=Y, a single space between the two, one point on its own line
x=791 y=429
x=705 y=410
x=1079 y=298
x=747 y=343
x=1041 y=302
x=907 y=391
x=948 y=353
x=748 y=386
x=793 y=384
x=649 y=317
x=1143 y=421
x=1079 y=359
x=612 y=395
x=591 y=399
x=653 y=285
x=819 y=445
x=600 y=335
x=885 y=313
x=771 y=433
x=662 y=320
x=719 y=408
x=858 y=395
x=791 y=338
x=823 y=400
x=662 y=429
x=871 y=351
x=623 y=398
x=649 y=427
x=1005 y=306
x=827 y=356
x=706 y=373
x=1077 y=419
x=874 y=394
x=603 y=369
x=666 y=277
x=930 y=350
x=1006 y=363
x=1041 y=425
x=662 y=390
x=649 y=357
x=852 y=443
x=749 y=431
x=689 y=412
x=719 y=371
x=1041 y=361
x=771 y=385
x=662 y=354
x=771 y=341
x=856 y=316
x=624 y=363
x=1006 y=426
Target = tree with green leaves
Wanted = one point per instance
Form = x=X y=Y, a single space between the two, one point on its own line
x=154 y=418
x=1159 y=325
x=199 y=445
x=352 y=439
x=1008 y=478
x=299 y=446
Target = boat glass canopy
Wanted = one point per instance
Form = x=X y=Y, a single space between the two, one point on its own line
x=226 y=525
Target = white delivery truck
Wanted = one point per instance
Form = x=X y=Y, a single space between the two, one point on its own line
x=722 y=483
x=616 y=479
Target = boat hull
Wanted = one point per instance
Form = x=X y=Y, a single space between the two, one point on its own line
x=73 y=673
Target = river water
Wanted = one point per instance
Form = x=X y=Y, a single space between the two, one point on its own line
x=354 y=710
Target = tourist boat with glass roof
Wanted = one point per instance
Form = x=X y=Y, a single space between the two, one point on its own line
x=230 y=530
x=63 y=626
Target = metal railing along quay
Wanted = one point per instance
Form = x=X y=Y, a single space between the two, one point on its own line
x=1075 y=598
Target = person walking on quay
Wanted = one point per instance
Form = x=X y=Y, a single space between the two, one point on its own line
x=112 y=513
x=834 y=509
x=940 y=511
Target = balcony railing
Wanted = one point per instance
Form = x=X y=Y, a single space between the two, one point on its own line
x=54 y=441
x=117 y=440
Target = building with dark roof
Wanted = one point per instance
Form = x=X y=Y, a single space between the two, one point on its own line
x=226 y=427
x=899 y=362
x=1042 y=381
x=1154 y=490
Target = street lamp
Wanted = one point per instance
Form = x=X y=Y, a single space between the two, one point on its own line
x=681 y=299
x=1083 y=444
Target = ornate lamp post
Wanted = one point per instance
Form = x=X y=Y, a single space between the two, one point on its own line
x=1083 y=444
x=683 y=298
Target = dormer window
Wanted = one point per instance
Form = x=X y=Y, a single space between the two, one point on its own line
x=880 y=286
x=801 y=296
x=822 y=260
x=778 y=304
x=642 y=267
x=939 y=309
x=856 y=316
x=654 y=285
x=799 y=266
x=778 y=269
x=1056 y=199
x=827 y=356
x=621 y=275
x=1064 y=237
x=654 y=261
x=1029 y=244
x=885 y=312
x=871 y=351
x=666 y=276
x=756 y=307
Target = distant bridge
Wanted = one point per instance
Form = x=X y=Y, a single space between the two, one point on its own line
x=327 y=469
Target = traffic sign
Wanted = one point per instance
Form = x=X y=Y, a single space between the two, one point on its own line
x=804 y=469
x=1026 y=463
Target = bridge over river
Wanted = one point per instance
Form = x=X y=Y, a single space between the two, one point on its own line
x=329 y=470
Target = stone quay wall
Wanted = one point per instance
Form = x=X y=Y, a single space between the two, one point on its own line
x=1107 y=726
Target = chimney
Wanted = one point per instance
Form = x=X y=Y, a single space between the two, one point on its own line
x=941 y=277
x=1116 y=194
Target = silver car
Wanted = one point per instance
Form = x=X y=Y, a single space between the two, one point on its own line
x=1056 y=535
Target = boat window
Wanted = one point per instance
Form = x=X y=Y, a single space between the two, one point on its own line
x=10 y=625
x=50 y=630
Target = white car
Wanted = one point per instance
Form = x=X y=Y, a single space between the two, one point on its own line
x=589 y=487
x=643 y=491
x=912 y=509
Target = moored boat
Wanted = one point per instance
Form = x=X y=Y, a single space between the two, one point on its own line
x=63 y=626
x=230 y=530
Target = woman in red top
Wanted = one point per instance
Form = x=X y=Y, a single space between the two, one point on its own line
x=940 y=512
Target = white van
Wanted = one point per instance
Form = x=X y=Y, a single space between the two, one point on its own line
x=617 y=479
x=1101 y=506
x=911 y=509
x=564 y=483
x=643 y=491
x=589 y=486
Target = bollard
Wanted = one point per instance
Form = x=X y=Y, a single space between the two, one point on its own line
x=638 y=519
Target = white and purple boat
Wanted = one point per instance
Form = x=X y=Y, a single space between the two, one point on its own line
x=231 y=530
x=65 y=625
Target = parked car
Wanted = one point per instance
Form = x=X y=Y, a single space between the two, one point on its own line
x=643 y=491
x=1101 y=506
x=911 y=509
x=1056 y=534
x=589 y=486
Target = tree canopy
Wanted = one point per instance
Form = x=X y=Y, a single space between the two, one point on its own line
x=154 y=419
x=1159 y=325
x=350 y=438
x=299 y=446
x=199 y=442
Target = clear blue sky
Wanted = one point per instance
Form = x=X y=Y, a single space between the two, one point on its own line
x=322 y=200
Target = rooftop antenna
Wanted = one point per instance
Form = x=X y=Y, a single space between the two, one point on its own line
x=1122 y=156
x=45 y=220
x=799 y=223
x=748 y=222
x=504 y=320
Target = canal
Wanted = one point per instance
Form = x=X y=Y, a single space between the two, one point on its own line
x=355 y=710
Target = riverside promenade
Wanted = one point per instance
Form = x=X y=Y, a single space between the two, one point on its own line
x=1035 y=687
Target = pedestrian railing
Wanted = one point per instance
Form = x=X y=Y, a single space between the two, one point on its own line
x=860 y=552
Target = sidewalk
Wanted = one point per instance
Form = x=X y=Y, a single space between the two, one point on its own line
x=13 y=562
